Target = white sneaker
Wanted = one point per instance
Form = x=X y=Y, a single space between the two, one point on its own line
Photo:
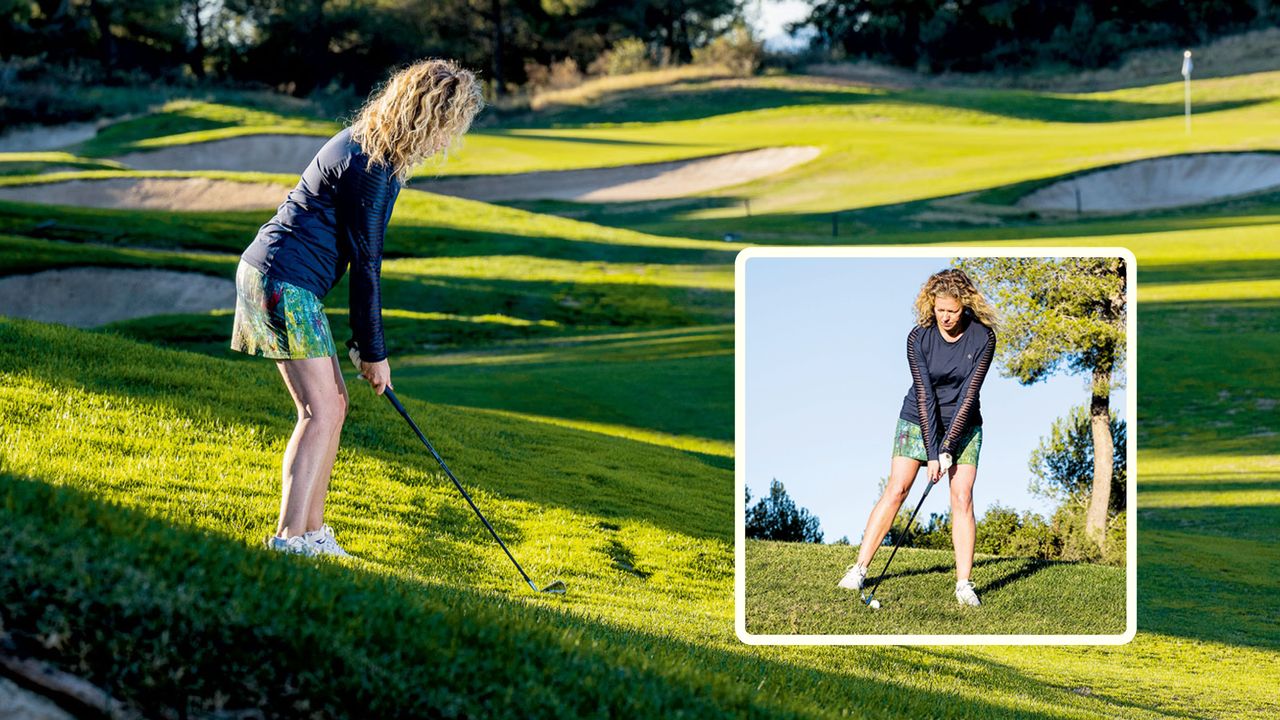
x=965 y=594
x=296 y=545
x=323 y=543
x=855 y=577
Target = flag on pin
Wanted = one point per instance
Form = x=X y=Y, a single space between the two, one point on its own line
x=1186 y=64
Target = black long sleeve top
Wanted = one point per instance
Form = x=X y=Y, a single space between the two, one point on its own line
x=946 y=378
x=335 y=218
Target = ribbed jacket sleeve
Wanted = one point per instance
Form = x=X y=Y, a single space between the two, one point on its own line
x=367 y=197
x=926 y=400
x=964 y=411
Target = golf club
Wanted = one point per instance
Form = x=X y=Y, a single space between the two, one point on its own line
x=869 y=599
x=555 y=588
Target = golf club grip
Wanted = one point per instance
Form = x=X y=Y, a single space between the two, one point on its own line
x=353 y=352
x=395 y=402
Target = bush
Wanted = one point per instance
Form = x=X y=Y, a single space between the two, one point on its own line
x=1033 y=538
x=996 y=527
x=934 y=534
x=559 y=75
x=1068 y=524
x=629 y=55
x=737 y=50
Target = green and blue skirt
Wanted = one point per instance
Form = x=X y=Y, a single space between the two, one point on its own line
x=909 y=443
x=278 y=320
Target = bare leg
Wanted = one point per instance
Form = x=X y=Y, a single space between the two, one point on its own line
x=321 y=408
x=315 y=512
x=901 y=475
x=963 y=526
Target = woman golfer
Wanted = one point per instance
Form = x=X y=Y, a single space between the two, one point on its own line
x=948 y=352
x=335 y=218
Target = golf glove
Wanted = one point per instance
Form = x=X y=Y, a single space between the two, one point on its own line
x=944 y=462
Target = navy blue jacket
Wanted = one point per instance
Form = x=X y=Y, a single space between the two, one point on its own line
x=945 y=380
x=336 y=217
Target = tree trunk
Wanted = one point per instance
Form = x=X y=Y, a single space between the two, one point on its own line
x=101 y=14
x=499 y=38
x=196 y=58
x=1103 y=457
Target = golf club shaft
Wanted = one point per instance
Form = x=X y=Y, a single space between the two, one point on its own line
x=902 y=537
x=395 y=402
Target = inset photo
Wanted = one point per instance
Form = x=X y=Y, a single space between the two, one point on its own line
x=933 y=446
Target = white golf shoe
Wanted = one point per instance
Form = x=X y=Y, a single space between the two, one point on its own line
x=323 y=543
x=296 y=545
x=965 y=594
x=855 y=577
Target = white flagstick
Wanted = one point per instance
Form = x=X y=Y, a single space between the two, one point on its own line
x=1186 y=85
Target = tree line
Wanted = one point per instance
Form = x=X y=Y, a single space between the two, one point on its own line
x=976 y=35
x=302 y=46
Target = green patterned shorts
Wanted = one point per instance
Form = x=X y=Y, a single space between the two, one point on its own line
x=278 y=320
x=907 y=442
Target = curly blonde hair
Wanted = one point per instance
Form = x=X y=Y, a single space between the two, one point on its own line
x=420 y=111
x=956 y=284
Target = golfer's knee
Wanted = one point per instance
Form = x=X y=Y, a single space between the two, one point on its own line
x=327 y=412
x=961 y=501
x=898 y=492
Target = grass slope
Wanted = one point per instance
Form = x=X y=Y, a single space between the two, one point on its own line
x=194 y=442
x=791 y=590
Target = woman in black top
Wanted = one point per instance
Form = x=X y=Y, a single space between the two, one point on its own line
x=949 y=352
x=334 y=219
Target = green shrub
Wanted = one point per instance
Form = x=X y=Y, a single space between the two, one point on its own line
x=998 y=524
x=629 y=55
x=737 y=50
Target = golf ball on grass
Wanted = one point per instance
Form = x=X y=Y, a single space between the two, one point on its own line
x=875 y=604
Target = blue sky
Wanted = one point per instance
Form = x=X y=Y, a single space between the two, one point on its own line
x=825 y=376
x=769 y=18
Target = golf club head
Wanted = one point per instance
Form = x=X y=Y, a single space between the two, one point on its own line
x=871 y=602
x=555 y=588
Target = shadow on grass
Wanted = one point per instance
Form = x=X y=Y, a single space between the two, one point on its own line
x=176 y=620
x=676 y=382
x=704 y=98
x=1214 y=362
x=1210 y=573
x=1030 y=566
x=1153 y=487
x=575 y=304
x=900 y=223
x=1204 y=271
x=980 y=563
x=232 y=232
x=583 y=139
x=997 y=668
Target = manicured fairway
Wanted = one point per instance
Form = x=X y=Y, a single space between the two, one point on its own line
x=576 y=373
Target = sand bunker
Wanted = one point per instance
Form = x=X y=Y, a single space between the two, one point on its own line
x=87 y=297
x=250 y=153
x=47 y=137
x=152 y=194
x=654 y=181
x=1161 y=183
